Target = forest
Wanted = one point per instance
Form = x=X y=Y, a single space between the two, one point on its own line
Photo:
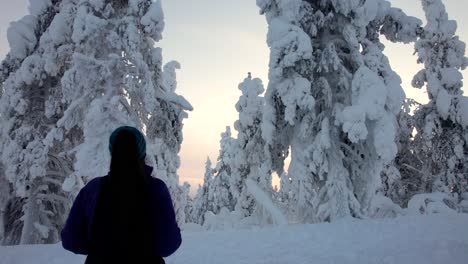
x=333 y=120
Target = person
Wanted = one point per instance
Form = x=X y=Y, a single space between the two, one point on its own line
x=126 y=216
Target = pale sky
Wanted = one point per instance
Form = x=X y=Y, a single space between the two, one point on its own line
x=218 y=42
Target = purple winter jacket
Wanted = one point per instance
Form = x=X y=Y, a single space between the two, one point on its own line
x=76 y=233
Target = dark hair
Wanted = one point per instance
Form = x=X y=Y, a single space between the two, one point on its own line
x=126 y=165
x=122 y=204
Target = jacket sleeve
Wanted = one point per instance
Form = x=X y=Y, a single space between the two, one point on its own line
x=169 y=238
x=75 y=233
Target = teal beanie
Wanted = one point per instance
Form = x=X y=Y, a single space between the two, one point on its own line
x=140 y=140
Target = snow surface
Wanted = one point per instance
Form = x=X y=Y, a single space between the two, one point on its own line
x=430 y=239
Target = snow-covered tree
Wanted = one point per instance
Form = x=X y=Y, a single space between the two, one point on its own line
x=242 y=159
x=109 y=82
x=333 y=98
x=76 y=71
x=5 y=194
x=116 y=78
x=395 y=25
x=189 y=203
x=289 y=96
x=183 y=203
x=402 y=178
x=253 y=162
x=220 y=193
x=441 y=127
x=30 y=75
x=164 y=131
x=13 y=224
x=202 y=203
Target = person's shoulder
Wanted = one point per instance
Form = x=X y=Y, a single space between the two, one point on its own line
x=158 y=183
x=94 y=184
x=160 y=192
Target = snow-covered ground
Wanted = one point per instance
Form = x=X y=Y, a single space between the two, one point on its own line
x=431 y=239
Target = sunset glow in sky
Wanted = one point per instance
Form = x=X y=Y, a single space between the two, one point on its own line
x=218 y=42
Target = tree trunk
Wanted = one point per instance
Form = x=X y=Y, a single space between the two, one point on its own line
x=29 y=234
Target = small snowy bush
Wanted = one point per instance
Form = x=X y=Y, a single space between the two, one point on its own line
x=432 y=203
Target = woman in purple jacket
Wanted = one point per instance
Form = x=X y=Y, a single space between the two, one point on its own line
x=126 y=216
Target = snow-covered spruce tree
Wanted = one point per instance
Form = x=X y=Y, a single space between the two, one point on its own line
x=164 y=132
x=396 y=26
x=253 y=162
x=288 y=96
x=189 y=201
x=202 y=202
x=116 y=78
x=5 y=194
x=401 y=179
x=334 y=99
x=30 y=77
x=103 y=86
x=13 y=224
x=220 y=193
x=284 y=194
x=182 y=203
x=441 y=130
x=11 y=211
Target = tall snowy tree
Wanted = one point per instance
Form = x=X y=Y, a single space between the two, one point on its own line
x=396 y=26
x=240 y=160
x=86 y=67
x=289 y=96
x=333 y=98
x=30 y=75
x=221 y=194
x=284 y=197
x=188 y=203
x=202 y=202
x=253 y=162
x=5 y=194
x=164 y=131
x=117 y=78
x=441 y=127
x=402 y=179
x=109 y=83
